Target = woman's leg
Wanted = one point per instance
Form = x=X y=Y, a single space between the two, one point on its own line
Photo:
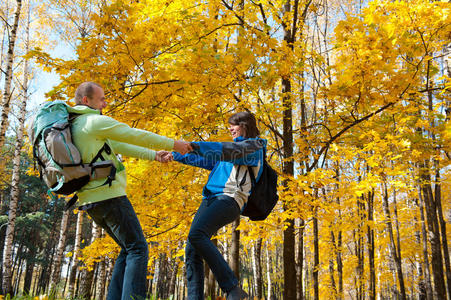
x=211 y=215
x=194 y=273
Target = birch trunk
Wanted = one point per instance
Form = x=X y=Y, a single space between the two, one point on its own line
x=100 y=289
x=88 y=275
x=269 y=271
x=56 y=266
x=257 y=268
x=76 y=254
x=7 y=252
x=7 y=95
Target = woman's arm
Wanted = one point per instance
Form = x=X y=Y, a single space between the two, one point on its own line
x=194 y=160
x=247 y=152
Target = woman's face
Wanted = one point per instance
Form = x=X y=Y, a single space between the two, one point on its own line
x=236 y=130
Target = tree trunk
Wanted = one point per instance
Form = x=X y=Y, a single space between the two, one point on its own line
x=300 y=261
x=100 y=289
x=359 y=249
x=289 y=260
x=442 y=222
x=76 y=254
x=156 y=278
x=7 y=253
x=371 y=258
x=395 y=252
x=173 y=280
x=431 y=200
x=433 y=232
x=257 y=268
x=422 y=291
x=235 y=249
x=56 y=266
x=210 y=283
x=29 y=269
x=88 y=275
x=315 y=255
x=269 y=270
x=33 y=232
x=7 y=94
x=163 y=283
x=427 y=279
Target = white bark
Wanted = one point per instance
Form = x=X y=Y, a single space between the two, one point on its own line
x=6 y=99
x=56 y=268
x=76 y=254
x=7 y=252
x=268 y=273
x=100 y=289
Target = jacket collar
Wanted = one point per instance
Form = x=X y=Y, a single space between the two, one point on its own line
x=82 y=109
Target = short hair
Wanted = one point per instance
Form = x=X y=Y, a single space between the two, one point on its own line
x=85 y=89
x=247 y=121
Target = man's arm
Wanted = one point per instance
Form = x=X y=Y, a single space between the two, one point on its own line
x=109 y=128
x=132 y=150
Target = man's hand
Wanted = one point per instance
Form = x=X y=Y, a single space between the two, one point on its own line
x=164 y=156
x=182 y=147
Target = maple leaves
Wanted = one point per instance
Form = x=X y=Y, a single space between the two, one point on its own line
x=179 y=68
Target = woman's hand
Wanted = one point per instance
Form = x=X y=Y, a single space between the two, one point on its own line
x=164 y=156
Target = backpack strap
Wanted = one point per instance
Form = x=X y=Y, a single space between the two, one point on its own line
x=251 y=172
x=98 y=156
x=71 y=202
x=110 y=177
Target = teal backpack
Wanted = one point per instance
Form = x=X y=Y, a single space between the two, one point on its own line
x=58 y=159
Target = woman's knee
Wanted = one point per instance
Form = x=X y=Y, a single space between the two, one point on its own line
x=196 y=236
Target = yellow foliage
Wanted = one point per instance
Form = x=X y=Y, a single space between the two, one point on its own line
x=180 y=70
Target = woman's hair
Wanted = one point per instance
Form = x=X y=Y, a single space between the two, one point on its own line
x=247 y=121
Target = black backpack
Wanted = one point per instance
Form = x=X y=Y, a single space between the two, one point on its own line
x=263 y=195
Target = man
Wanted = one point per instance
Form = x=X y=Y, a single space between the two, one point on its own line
x=101 y=137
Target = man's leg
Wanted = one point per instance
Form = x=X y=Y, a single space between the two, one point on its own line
x=117 y=279
x=98 y=214
x=122 y=224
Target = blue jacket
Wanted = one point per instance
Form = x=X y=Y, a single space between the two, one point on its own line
x=228 y=163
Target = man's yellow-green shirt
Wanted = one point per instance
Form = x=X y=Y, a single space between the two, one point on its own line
x=90 y=131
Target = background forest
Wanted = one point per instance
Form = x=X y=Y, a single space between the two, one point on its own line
x=353 y=98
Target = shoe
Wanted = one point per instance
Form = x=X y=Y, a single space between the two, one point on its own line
x=237 y=293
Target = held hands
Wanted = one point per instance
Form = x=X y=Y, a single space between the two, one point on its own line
x=179 y=146
x=164 y=156
x=182 y=147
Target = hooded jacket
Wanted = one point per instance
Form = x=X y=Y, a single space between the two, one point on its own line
x=91 y=131
x=228 y=162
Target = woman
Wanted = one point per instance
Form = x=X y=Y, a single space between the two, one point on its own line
x=224 y=198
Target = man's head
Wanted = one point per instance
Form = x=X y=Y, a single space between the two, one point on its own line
x=90 y=94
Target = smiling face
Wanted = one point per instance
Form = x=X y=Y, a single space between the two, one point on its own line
x=236 y=131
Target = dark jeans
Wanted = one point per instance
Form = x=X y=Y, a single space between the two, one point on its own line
x=119 y=220
x=211 y=215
